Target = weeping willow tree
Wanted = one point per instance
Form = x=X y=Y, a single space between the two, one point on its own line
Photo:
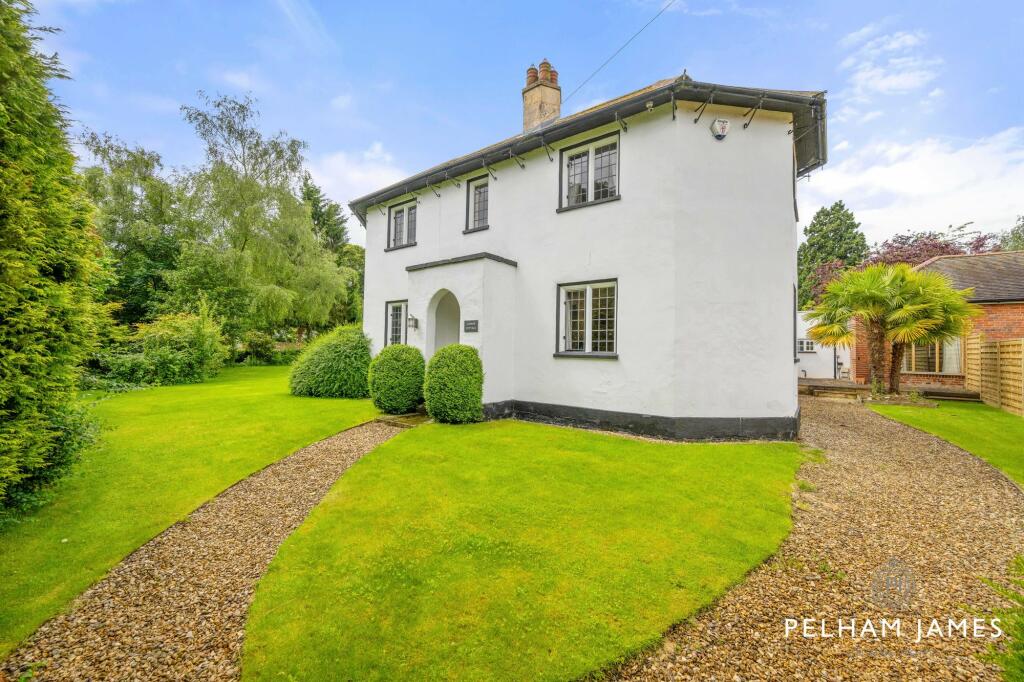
x=256 y=254
x=896 y=307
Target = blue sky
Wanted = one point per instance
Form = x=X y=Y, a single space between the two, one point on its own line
x=926 y=123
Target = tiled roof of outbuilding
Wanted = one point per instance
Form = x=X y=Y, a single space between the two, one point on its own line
x=995 y=277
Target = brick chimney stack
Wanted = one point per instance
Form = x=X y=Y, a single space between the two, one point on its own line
x=542 y=96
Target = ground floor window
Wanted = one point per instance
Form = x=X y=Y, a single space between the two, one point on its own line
x=805 y=345
x=586 y=317
x=395 y=322
x=937 y=358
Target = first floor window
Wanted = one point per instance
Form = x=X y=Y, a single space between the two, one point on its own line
x=403 y=225
x=478 y=204
x=587 y=316
x=805 y=345
x=395 y=325
x=944 y=357
x=591 y=172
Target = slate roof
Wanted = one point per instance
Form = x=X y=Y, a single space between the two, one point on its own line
x=996 y=277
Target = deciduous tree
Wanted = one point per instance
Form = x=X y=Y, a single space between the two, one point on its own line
x=833 y=236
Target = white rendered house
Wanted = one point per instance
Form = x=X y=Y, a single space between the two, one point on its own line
x=630 y=266
x=816 y=361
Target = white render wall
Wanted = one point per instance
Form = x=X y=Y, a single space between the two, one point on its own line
x=819 y=363
x=702 y=244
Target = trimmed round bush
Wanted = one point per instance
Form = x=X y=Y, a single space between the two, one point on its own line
x=333 y=366
x=454 y=385
x=396 y=378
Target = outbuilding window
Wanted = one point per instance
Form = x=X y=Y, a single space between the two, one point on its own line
x=395 y=322
x=805 y=346
x=590 y=173
x=586 y=318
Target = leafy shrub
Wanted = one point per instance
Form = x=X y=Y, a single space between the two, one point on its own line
x=335 y=365
x=182 y=348
x=454 y=385
x=75 y=429
x=285 y=356
x=259 y=348
x=396 y=378
x=47 y=267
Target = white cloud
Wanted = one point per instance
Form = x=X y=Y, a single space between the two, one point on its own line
x=306 y=23
x=841 y=146
x=860 y=35
x=928 y=184
x=345 y=176
x=242 y=79
x=890 y=64
x=937 y=92
x=341 y=102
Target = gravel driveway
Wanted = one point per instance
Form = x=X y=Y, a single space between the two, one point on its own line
x=886 y=491
x=175 y=609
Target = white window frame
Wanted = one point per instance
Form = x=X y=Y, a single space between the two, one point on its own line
x=806 y=346
x=394 y=210
x=562 y=341
x=589 y=147
x=389 y=307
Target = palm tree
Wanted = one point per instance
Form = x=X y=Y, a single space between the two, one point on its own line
x=930 y=311
x=896 y=306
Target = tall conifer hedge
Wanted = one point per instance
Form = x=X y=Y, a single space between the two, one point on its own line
x=47 y=251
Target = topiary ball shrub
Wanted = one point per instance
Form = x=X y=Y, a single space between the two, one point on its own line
x=333 y=366
x=396 y=379
x=454 y=385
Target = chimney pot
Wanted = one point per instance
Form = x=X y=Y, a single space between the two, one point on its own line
x=554 y=77
x=545 y=70
x=531 y=75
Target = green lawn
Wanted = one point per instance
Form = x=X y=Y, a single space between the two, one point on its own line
x=509 y=550
x=994 y=435
x=163 y=453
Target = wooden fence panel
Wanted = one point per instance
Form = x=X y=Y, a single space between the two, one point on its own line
x=995 y=369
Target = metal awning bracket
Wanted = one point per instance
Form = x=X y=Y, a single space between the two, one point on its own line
x=700 y=110
x=434 y=190
x=452 y=180
x=381 y=211
x=547 y=149
x=622 y=122
x=753 y=111
x=515 y=157
x=673 y=105
x=490 y=171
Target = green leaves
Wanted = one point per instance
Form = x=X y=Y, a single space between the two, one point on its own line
x=47 y=262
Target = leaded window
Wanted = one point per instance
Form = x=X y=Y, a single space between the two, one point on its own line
x=588 y=318
x=396 y=322
x=590 y=172
x=606 y=167
x=480 y=205
x=578 y=169
x=805 y=345
x=402 y=227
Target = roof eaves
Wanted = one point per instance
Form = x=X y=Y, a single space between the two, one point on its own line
x=809 y=130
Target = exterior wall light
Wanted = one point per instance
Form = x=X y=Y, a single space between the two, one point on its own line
x=413 y=323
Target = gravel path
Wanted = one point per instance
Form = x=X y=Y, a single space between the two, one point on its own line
x=886 y=491
x=175 y=609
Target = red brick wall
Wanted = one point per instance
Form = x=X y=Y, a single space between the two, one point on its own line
x=923 y=379
x=1001 y=321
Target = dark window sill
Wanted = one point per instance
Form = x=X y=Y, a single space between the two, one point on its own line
x=580 y=354
x=402 y=246
x=932 y=374
x=595 y=202
x=471 y=230
x=806 y=352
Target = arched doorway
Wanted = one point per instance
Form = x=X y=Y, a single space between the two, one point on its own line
x=447 y=319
